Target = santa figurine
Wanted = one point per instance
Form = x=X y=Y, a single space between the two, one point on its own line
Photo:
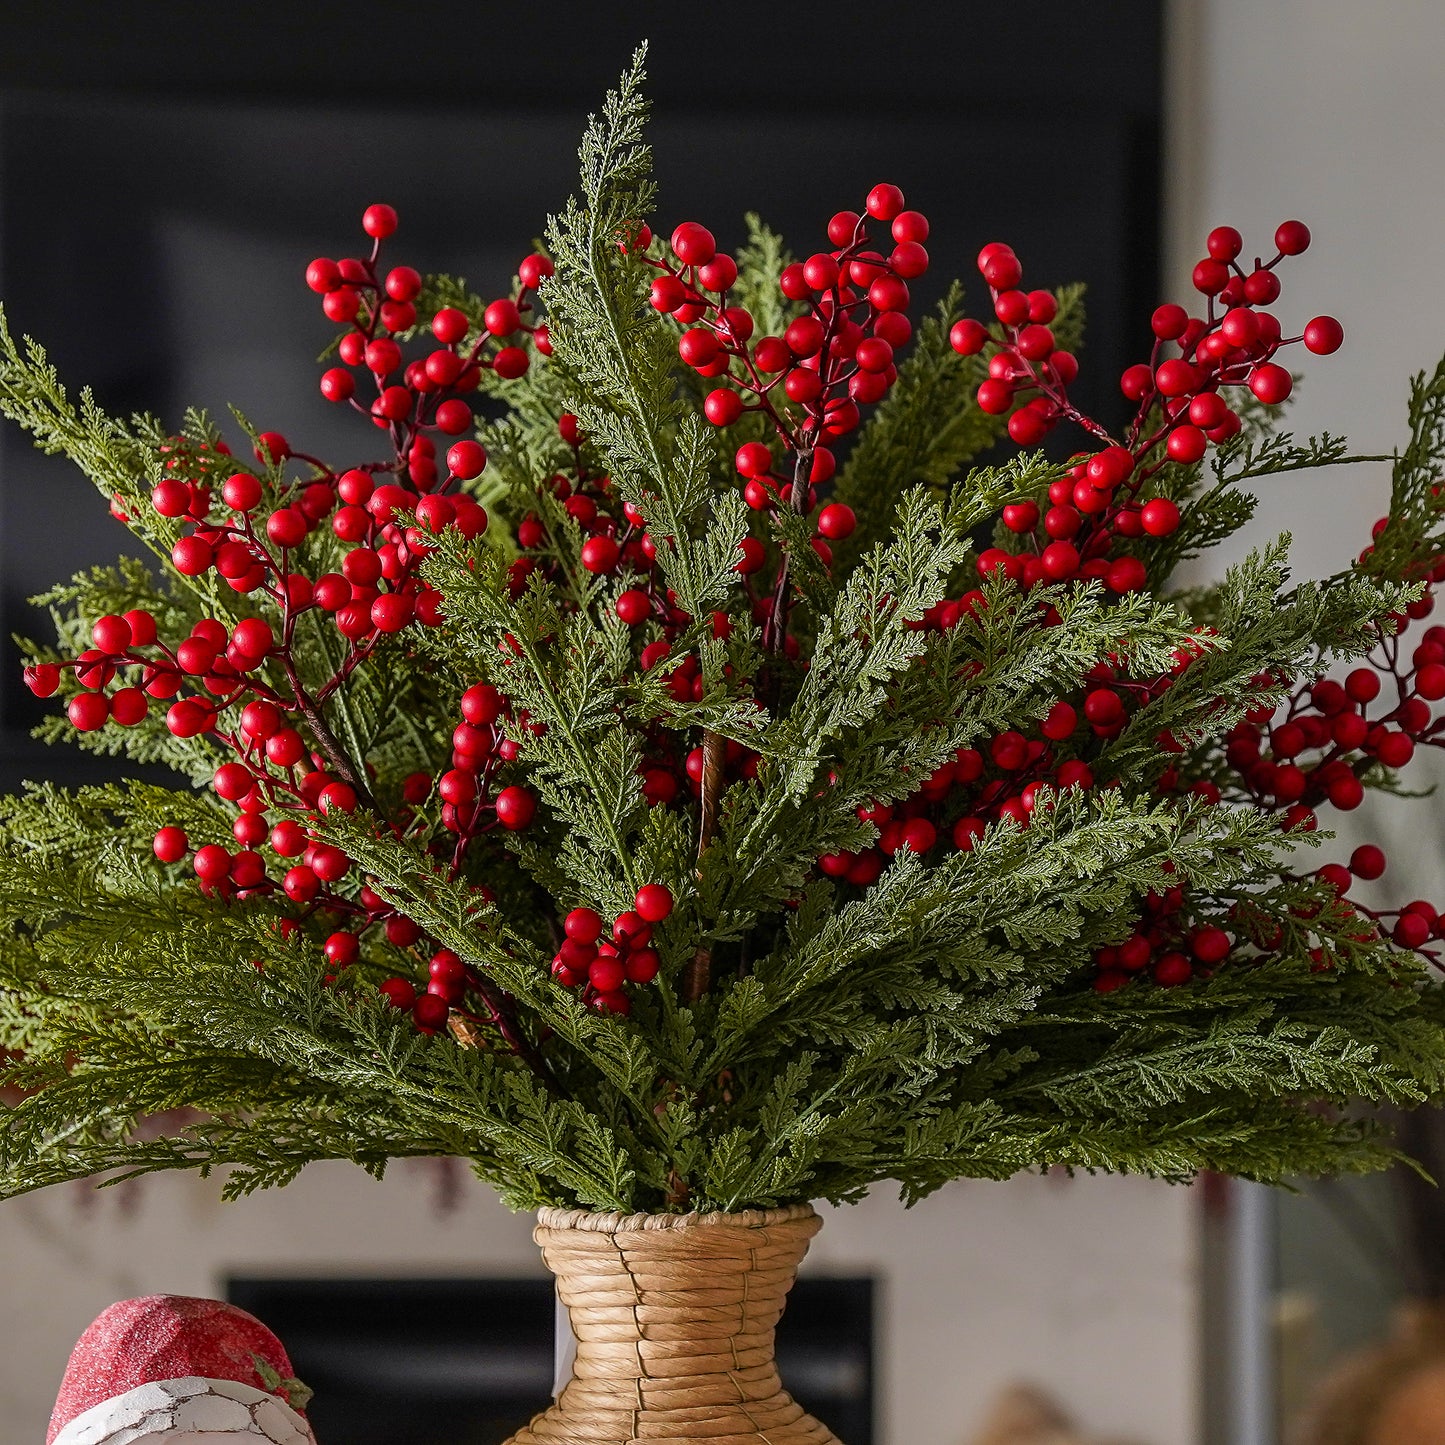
x=186 y=1371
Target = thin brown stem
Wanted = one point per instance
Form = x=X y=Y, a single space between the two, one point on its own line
x=505 y=1017
x=698 y=978
x=776 y=629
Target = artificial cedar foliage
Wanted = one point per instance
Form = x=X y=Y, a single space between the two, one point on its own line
x=825 y=1015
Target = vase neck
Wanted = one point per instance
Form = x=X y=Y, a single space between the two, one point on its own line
x=675 y=1321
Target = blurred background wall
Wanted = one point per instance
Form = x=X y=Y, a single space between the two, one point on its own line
x=1322 y=109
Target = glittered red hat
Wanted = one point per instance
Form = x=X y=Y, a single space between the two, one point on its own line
x=171 y=1365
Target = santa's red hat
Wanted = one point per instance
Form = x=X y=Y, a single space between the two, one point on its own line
x=168 y=1365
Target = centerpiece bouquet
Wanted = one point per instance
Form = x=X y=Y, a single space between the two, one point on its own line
x=664 y=769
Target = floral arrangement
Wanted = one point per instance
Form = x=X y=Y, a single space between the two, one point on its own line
x=663 y=768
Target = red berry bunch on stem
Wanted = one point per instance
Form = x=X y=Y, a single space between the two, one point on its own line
x=1103 y=506
x=240 y=683
x=810 y=383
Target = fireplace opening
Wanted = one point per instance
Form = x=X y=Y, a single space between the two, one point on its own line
x=468 y=1361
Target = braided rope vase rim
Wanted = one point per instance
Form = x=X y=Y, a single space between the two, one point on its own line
x=603 y=1222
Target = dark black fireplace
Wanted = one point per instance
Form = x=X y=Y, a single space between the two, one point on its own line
x=467 y=1361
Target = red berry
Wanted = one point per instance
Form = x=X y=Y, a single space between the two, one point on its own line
x=1240 y=326
x=515 y=808
x=1060 y=722
x=454 y=417
x=288 y=838
x=606 y=974
x=722 y=407
x=458 y=787
x=287 y=527
x=600 y=554
x=449 y=325
x=323 y=275
x=693 y=244
x=632 y=929
x=111 y=634
x=392 y=611
x=583 y=925
x=1060 y=561
x=342 y=950
x=253 y=637
x=1159 y=517
x=968 y=337
x=1292 y=238
x=1367 y=862
x=1261 y=288
x=634 y=607
x=1430 y=681
x=1271 y=383
x=502 y=318
x=1411 y=930
x=212 y=863
x=1186 y=444
x=1011 y=307
x=1172 y=970
x=1021 y=517
x=378 y=221
x=1394 y=749
x=534 y=269
x=653 y=902
x=1176 y=378
x=142 y=627
x=129 y=706
x=1224 y=243
x=430 y=1012
x=995 y=397
x=191 y=556
x=884 y=203
x=1137 y=382
x=233 y=781
x=1029 y=426
x=337 y=384
x=400 y=993
x=1363 y=685
x=836 y=521
x=1210 y=945
x=1126 y=574
x=1000 y=267
x=171 y=844
x=466 y=460
x=88 y=711
x=753 y=556
x=1169 y=322
x=1323 y=335
x=1103 y=708
x=1210 y=276
x=1345 y=792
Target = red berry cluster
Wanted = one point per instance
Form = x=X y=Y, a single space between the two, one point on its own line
x=1098 y=527
x=811 y=382
x=601 y=967
x=617 y=540
x=1316 y=750
x=240 y=682
x=1004 y=778
x=1098 y=511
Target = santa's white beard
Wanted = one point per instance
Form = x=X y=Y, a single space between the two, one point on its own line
x=190 y=1411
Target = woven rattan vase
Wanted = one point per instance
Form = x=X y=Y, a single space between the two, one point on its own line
x=674 y=1318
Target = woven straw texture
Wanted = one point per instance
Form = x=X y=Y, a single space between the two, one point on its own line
x=674 y=1317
